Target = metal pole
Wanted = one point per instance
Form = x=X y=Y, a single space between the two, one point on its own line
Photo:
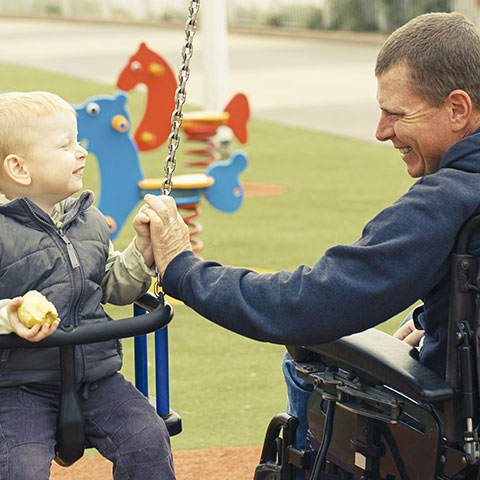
x=162 y=384
x=215 y=54
x=66 y=8
x=467 y=7
x=141 y=357
x=105 y=9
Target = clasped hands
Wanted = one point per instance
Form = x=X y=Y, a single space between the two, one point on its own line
x=168 y=233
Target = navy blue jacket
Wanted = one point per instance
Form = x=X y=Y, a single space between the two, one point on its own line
x=402 y=256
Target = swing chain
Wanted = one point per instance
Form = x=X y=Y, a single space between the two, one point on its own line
x=157 y=289
x=180 y=96
x=177 y=115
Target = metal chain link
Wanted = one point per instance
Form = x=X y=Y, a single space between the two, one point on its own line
x=177 y=115
x=180 y=96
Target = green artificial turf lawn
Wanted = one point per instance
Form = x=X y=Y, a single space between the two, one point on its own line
x=225 y=387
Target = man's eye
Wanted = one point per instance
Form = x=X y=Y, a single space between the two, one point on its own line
x=394 y=115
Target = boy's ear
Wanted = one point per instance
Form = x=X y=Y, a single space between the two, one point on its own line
x=14 y=166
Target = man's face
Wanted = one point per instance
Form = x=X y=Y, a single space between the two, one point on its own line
x=420 y=132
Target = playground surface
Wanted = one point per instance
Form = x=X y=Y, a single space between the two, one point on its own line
x=217 y=463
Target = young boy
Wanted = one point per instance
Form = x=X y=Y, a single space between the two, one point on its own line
x=60 y=246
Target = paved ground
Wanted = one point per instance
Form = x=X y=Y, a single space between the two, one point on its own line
x=326 y=85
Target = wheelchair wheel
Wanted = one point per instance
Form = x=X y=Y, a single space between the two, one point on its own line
x=271 y=470
x=267 y=474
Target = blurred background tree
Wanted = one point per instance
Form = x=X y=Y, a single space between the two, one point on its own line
x=350 y=15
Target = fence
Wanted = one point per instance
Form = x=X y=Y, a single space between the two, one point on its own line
x=356 y=15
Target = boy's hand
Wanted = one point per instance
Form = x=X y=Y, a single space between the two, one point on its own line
x=141 y=224
x=34 y=334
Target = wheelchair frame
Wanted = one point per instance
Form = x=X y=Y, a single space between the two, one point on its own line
x=377 y=413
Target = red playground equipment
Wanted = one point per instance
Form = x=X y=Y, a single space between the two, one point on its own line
x=149 y=68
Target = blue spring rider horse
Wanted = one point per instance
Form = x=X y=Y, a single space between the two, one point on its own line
x=104 y=127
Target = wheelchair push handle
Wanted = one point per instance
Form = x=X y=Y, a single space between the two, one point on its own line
x=157 y=319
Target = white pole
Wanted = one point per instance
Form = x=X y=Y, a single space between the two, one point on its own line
x=105 y=9
x=467 y=7
x=66 y=8
x=215 y=54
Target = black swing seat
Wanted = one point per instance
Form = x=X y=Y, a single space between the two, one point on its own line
x=71 y=440
x=377 y=413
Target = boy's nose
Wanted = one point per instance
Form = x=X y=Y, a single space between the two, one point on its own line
x=81 y=152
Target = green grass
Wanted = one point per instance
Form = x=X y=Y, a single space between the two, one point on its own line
x=225 y=387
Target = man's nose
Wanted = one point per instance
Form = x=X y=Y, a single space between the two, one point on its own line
x=385 y=129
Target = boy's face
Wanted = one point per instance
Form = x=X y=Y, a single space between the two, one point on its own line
x=54 y=159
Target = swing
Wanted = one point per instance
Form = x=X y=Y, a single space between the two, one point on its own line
x=71 y=439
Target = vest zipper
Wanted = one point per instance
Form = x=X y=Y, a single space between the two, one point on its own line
x=70 y=250
x=72 y=256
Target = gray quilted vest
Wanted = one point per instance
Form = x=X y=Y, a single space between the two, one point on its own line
x=65 y=262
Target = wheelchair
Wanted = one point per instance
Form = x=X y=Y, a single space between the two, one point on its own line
x=151 y=314
x=377 y=413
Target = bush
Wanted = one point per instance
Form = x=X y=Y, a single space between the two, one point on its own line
x=315 y=19
x=351 y=15
x=397 y=12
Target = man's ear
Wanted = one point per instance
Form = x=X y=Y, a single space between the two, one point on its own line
x=14 y=167
x=460 y=107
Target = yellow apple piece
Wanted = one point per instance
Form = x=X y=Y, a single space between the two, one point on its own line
x=36 y=309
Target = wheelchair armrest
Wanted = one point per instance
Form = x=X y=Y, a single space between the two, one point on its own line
x=100 y=332
x=380 y=358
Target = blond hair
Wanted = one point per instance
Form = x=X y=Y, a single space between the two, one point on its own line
x=442 y=53
x=19 y=114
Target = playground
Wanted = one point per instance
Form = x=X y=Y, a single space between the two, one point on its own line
x=303 y=191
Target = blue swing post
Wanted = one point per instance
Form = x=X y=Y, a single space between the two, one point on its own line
x=162 y=386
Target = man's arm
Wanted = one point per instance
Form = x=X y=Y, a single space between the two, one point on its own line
x=402 y=254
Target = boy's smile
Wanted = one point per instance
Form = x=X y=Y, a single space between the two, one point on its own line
x=55 y=160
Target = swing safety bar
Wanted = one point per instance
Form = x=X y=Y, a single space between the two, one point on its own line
x=71 y=440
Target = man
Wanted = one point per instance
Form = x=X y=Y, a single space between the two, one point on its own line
x=429 y=97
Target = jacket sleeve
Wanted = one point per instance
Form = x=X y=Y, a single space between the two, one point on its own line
x=402 y=254
x=126 y=276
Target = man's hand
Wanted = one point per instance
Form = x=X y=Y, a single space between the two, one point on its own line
x=409 y=334
x=34 y=334
x=168 y=232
